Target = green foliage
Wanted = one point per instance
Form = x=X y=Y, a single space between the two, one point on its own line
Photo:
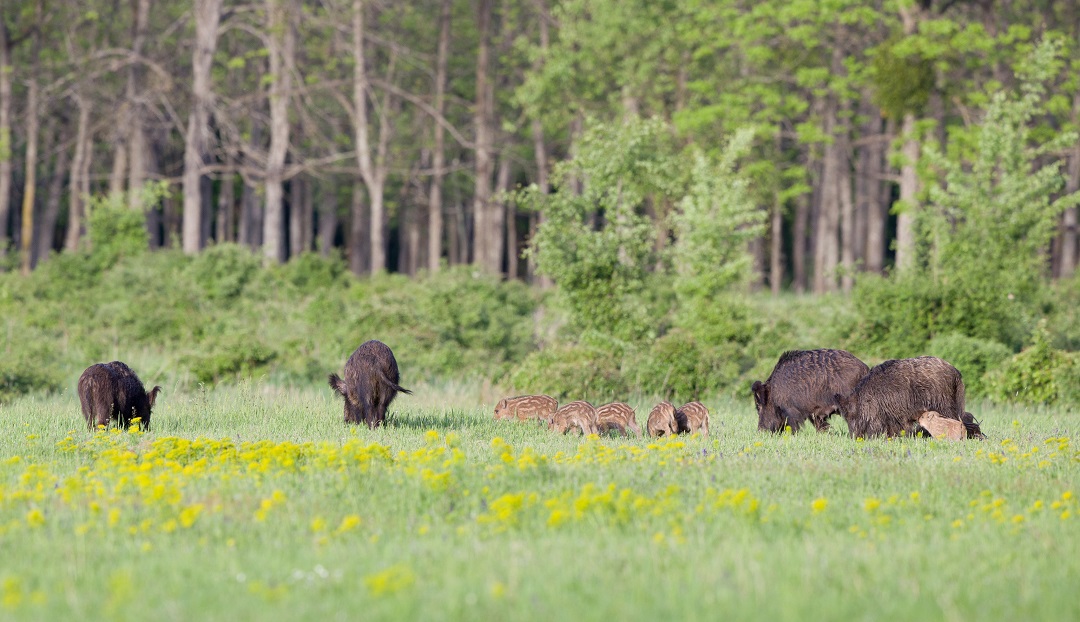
x=27 y=363
x=1040 y=374
x=223 y=271
x=574 y=372
x=990 y=214
x=230 y=356
x=682 y=367
x=902 y=79
x=972 y=356
x=114 y=230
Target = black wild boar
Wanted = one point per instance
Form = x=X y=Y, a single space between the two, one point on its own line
x=892 y=397
x=803 y=385
x=370 y=384
x=113 y=392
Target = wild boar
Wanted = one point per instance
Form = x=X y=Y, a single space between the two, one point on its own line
x=524 y=407
x=617 y=416
x=892 y=397
x=370 y=384
x=803 y=385
x=113 y=392
x=695 y=418
x=662 y=420
x=579 y=414
x=936 y=426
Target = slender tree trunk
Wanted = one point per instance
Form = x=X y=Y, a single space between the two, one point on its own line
x=776 y=246
x=6 y=71
x=909 y=188
x=435 y=199
x=33 y=118
x=79 y=180
x=358 y=232
x=207 y=17
x=1069 y=220
x=307 y=222
x=536 y=219
x=798 y=243
x=296 y=215
x=826 y=249
x=507 y=214
x=847 y=205
x=137 y=107
x=46 y=234
x=484 y=231
x=328 y=217
x=281 y=20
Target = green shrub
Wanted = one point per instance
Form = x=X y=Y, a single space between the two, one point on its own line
x=972 y=356
x=1040 y=374
x=230 y=356
x=222 y=271
x=28 y=364
x=682 y=367
x=573 y=372
x=311 y=272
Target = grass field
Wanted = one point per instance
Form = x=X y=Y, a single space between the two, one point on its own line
x=256 y=502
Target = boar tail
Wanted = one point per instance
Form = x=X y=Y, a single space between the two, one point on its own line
x=393 y=385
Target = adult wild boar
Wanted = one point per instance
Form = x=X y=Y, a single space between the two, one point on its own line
x=892 y=397
x=617 y=416
x=803 y=385
x=662 y=421
x=579 y=414
x=370 y=384
x=113 y=392
x=525 y=407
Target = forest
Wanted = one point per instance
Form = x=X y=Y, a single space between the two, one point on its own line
x=399 y=133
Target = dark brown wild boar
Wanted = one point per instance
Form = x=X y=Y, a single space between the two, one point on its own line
x=662 y=420
x=803 y=385
x=579 y=414
x=113 y=392
x=525 y=407
x=370 y=384
x=892 y=397
x=695 y=418
x=617 y=416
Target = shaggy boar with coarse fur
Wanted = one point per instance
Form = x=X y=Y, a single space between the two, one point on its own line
x=662 y=420
x=694 y=418
x=370 y=384
x=803 y=385
x=525 y=407
x=113 y=392
x=579 y=414
x=892 y=397
x=617 y=416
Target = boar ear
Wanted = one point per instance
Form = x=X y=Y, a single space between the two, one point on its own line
x=501 y=405
x=337 y=384
x=761 y=392
x=153 y=395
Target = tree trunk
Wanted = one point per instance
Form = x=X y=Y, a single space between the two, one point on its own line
x=33 y=117
x=296 y=216
x=484 y=231
x=282 y=49
x=207 y=16
x=826 y=247
x=776 y=246
x=137 y=107
x=435 y=199
x=6 y=72
x=847 y=206
x=507 y=214
x=1069 y=220
x=249 y=230
x=798 y=242
x=909 y=188
x=46 y=235
x=226 y=214
x=358 y=232
x=328 y=217
x=79 y=180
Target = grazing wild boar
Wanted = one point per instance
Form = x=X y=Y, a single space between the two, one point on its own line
x=617 y=416
x=694 y=418
x=662 y=420
x=113 y=392
x=803 y=385
x=971 y=426
x=932 y=424
x=370 y=384
x=892 y=397
x=579 y=414
x=525 y=407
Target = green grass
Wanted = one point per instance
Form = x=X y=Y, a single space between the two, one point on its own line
x=456 y=525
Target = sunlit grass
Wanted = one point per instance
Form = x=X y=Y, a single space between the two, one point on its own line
x=257 y=502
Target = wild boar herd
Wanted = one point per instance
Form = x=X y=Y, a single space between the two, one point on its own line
x=923 y=395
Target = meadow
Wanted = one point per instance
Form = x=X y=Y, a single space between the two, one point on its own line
x=254 y=501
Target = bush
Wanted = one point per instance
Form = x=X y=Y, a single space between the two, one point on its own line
x=573 y=372
x=222 y=271
x=681 y=367
x=1039 y=374
x=972 y=356
x=230 y=356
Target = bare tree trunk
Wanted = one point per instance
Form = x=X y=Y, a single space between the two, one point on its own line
x=435 y=199
x=33 y=124
x=847 y=206
x=826 y=248
x=483 y=229
x=207 y=17
x=307 y=220
x=250 y=227
x=46 y=234
x=79 y=183
x=798 y=243
x=1069 y=220
x=226 y=215
x=296 y=215
x=6 y=72
x=281 y=17
x=328 y=217
x=776 y=246
x=358 y=232
x=909 y=188
x=507 y=214
x=137 y=107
